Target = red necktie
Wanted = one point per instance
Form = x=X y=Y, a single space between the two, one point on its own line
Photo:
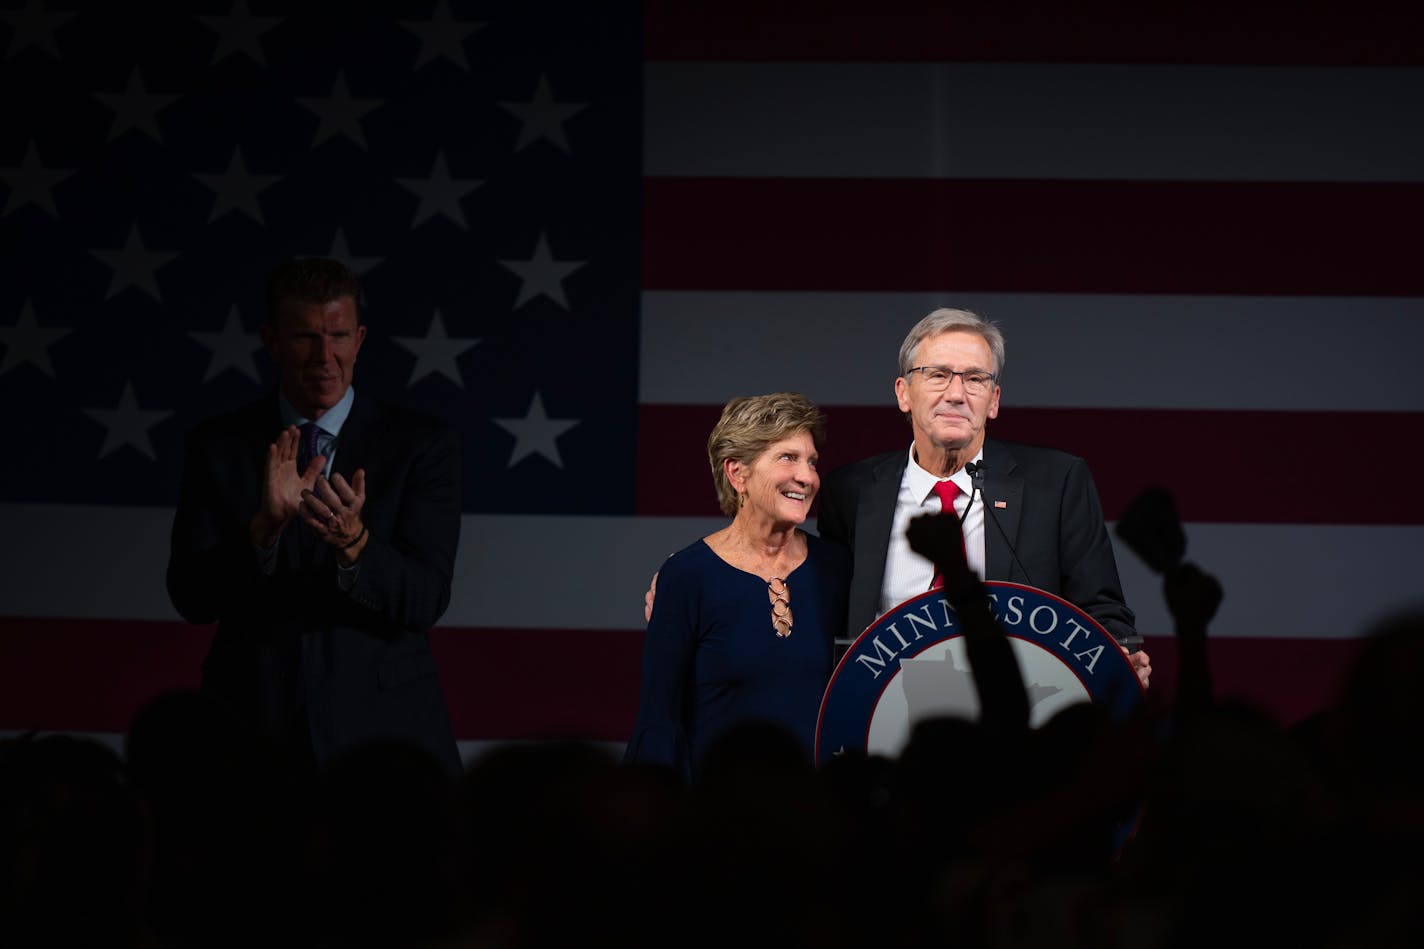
x=947 y=491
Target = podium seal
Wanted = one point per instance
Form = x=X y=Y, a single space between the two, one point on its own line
x=910 y=664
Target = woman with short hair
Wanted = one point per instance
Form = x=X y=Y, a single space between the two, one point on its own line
x=745 y=619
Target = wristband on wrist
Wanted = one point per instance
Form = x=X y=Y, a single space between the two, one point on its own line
x=359 y=538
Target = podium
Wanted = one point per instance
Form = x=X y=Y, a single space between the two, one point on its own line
x=910 y=664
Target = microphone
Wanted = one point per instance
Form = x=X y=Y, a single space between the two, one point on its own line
x=976 y=486
x=976 y=474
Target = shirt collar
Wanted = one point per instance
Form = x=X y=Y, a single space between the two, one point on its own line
x=330 y=421
x=921 y=482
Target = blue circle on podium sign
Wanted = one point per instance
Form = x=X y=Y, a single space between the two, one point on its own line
x=910 y=665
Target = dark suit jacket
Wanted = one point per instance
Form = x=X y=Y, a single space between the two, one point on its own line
x=294 y=654
x=1052 y=518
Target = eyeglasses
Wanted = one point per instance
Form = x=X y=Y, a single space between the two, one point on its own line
x=780 y=595
x=937 y=378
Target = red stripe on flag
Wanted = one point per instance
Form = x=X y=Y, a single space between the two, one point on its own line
x=500 y=684
x=1365 y=33
x=92 y=675
x=1279 y=475
x=503 y=684
x=1359 y=239
x=1316 y=670
x=511 y=684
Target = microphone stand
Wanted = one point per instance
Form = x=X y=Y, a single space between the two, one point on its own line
x=976 y=474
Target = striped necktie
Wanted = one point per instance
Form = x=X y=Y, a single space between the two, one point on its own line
x=308 y=449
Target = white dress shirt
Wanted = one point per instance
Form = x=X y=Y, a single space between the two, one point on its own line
x=907 y=574
x=327 y=441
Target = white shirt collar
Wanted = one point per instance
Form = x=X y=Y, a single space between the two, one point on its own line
x=921 y=482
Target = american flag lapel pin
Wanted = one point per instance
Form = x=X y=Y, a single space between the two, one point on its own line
x=1001 y=504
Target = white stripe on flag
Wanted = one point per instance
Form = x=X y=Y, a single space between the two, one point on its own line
x=1064 y=350
x=590 y=573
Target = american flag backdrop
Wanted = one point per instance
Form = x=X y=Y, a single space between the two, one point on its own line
x=583 y=227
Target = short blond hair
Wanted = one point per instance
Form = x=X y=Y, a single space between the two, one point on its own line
x=752 y=423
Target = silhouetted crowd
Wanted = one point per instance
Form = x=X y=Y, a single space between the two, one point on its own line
x=1193 y=823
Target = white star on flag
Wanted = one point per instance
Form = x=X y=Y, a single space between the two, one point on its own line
x=340 y=114
x=32 y=183
x=340 y=251
x=237 y=189
x=240 y=32
x=127 y=424
x=435 y=352
x=536 y=433
x=33 y=26
x=442 y=35
x=28 y=342
x=135 y=108
x=440 y=194
x=542 y=275
x=134 y=266
x=232 y=348
x=543 y=117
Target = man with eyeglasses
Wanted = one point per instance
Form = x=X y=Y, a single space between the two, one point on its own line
x=1035 y=517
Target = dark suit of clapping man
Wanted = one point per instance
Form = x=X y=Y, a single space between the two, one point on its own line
x=1035 y=518
x=324 y=574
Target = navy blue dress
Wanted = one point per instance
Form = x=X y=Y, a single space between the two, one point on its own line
x=712 y=660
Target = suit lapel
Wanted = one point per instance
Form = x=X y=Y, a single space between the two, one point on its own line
x=354 y=444
x=875 y=516
x=1002 y=486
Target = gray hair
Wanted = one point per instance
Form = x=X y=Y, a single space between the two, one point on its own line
x=944 y=320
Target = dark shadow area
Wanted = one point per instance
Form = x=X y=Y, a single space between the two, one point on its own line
x=983 y=832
